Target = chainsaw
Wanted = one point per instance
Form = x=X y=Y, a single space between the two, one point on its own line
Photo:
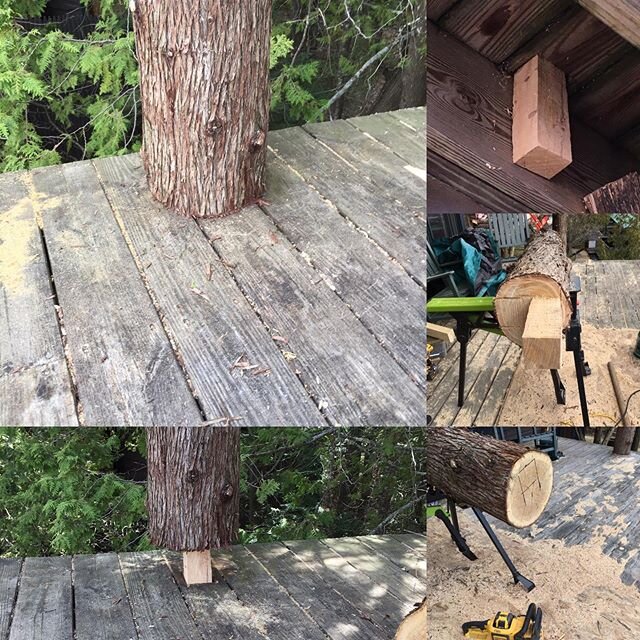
x=507 y=626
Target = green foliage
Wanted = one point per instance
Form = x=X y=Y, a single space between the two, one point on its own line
x=59 y=494
x=63 y=491
x=64 y=98
x=622 y=239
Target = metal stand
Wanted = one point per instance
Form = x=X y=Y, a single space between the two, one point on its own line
x=466 y=323
x=451 y=523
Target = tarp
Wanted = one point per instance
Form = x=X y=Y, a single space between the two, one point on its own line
x=477 y=260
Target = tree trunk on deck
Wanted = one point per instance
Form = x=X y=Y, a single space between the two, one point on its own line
x=620 y=196
x=193 y=486
x=204 y=83
x=543 y=271
x=505 y=479
x=561 y=227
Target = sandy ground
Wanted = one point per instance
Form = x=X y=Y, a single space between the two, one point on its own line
x=531 y=397
x=578 y=588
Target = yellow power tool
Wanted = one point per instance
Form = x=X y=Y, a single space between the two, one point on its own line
x=507 y=626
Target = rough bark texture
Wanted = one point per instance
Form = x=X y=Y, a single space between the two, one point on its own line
x=479 y=471
x=561 y=227
x=204 y=83
x=621 y=196
x=193 y=486
x=543 y=271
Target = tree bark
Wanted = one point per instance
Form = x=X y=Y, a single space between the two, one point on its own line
x=204 y=84
x=620 y=196
x=505 y=479
x=561 y=227
x=542 y=271
x=193 y=492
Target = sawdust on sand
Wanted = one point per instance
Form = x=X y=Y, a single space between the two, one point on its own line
x=578 y=587
x=531 y=395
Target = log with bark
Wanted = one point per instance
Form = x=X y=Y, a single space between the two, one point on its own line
x=204 y=86
x=193 y=492
x=502 y=478
x=533 y=306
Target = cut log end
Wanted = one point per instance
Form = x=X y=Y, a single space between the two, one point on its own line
x=528 y=489
x=414 y=626
x=196 y=567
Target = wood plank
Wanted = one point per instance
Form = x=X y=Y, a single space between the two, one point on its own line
x=35 y=387
x=414 y=562
x=540 y=134
x=406 y=587
x=479 y=196
x=469 y=125
x=438 y=332
x=386 y=300
x=610 y=105
x=375 y=162
x=542 y=338
x=497 y=28
x=437 y=8
x=158 y=608
x=211 y=322
x=101 y=605
x=331 y=611
x=125 y=369
x=392 y=133
x=414 y=117
x=384 y=221
x=416 y=541
x=620 y=196
x=623 y=16
x=371 y=599
x=196 y=567
x=578 y=43
x=339 y=361
x=44 y=608
x=9 y=575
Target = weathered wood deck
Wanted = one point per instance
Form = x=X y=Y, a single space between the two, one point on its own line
x=338 y=589
x=594 y=499
x=305 y=310
x=610 y=298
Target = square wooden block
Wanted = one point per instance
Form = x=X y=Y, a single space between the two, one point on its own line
x=541 y=134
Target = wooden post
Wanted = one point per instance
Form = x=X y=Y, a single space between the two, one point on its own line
x=542 y=339
x=438 y=332
x=620 y=196
x=624 y=435
x=542 y=271
x=204 y=86
x=196 y=567
x=540 y=133
x=505 y=479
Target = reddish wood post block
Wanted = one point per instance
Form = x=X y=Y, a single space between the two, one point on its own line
x=541 y=135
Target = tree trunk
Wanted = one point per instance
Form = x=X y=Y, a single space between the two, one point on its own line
x=543 y=271
x=193 y=492
x=561 y=227
x=505 y=479
x=204 y=83
x=621 y=196
x=414 y=626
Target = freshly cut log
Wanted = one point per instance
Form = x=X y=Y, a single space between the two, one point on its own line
x=542 y=344
x=543 y=271
x=414 y=626
x=504 y=479
x=619 y=196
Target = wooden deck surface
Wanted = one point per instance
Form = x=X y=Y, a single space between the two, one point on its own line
x=610 y=297
x=594 y=500
x=335 y=589
x=305 y=310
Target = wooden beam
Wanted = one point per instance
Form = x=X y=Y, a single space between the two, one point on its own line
x=540 y=132
x=196 y=567
x=469 y=125
x=438 y=332
x=542 y=343
x=621 y=196
x=623 y=16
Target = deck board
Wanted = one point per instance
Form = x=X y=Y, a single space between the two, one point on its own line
x=155 y=325
x=339 y=589
x=126 y=372
x=35 y=386
x=210 y=336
